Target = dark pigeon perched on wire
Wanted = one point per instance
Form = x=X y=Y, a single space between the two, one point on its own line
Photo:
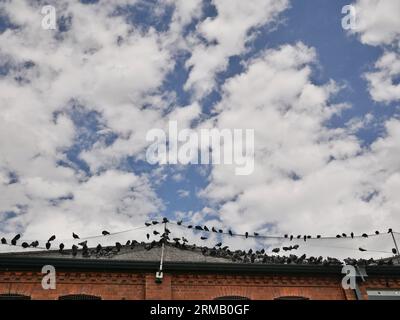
x=34 y=244
x=74 y=250
x=15 y=239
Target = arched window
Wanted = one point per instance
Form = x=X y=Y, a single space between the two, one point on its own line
x=291 y=298
x=14 y=296
x=231 y=298
x=79 y=297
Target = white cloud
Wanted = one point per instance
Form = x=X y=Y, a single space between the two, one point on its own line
x=377 y=21
x=183 y=193
x=381 y=81
x=308 y=178
x=101 y=62
x=226 y=35
x=378 y=24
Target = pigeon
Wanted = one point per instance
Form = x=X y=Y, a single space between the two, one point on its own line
x=256 y=234
x=34 y=244
x=338 y=236
x=364 y=235
x=15 y=239
x=318 y=236
x=198 y=228
x=3 y=241
x=48 y=245
x=296 y=246
x=305 y=238
x=213 y=229
x=219 y=244
x=147 y=224
x=205 y=228
x=128 y=243
x=291 y=237
x=276 y=250
x=285 y=236
x=179 y=222
x=361 y=249
x=105 y=233
x=52 y=238
x=118 y=246
x=61 y=246
x=230 y=233
x=299 y=236
x=246 y=235
x=83 y=243
x=190 y=226
x=203 y=238
x=74 y=250
x=155 y=232
x=390 y=230
x=376 y=232
x=165 y=220
x=308 y=237
x=24 y=245
x=154 y=222
x=75 y=236
x=394 y=251
x=148 y=236
x=344 y=235
x=352 y=235
x=221 y=231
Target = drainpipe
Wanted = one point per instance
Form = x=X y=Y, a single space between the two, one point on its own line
x=362 y=274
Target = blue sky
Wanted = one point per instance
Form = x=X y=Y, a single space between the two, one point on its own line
x=78 y=101
x=341 y=56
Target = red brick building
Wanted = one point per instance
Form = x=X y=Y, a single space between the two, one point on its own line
x=130 y=273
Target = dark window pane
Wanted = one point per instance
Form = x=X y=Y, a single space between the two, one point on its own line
x=79 y=297
x=14 y=296
x=231 y=298
x=291 y=298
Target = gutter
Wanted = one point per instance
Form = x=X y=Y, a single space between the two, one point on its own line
x=29 y=263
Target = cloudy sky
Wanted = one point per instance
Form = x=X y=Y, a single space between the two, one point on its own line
x=76 y=104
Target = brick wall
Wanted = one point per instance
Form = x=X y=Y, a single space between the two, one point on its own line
x=136 y=286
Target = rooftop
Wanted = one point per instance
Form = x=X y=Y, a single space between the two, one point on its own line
x=147 y=256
